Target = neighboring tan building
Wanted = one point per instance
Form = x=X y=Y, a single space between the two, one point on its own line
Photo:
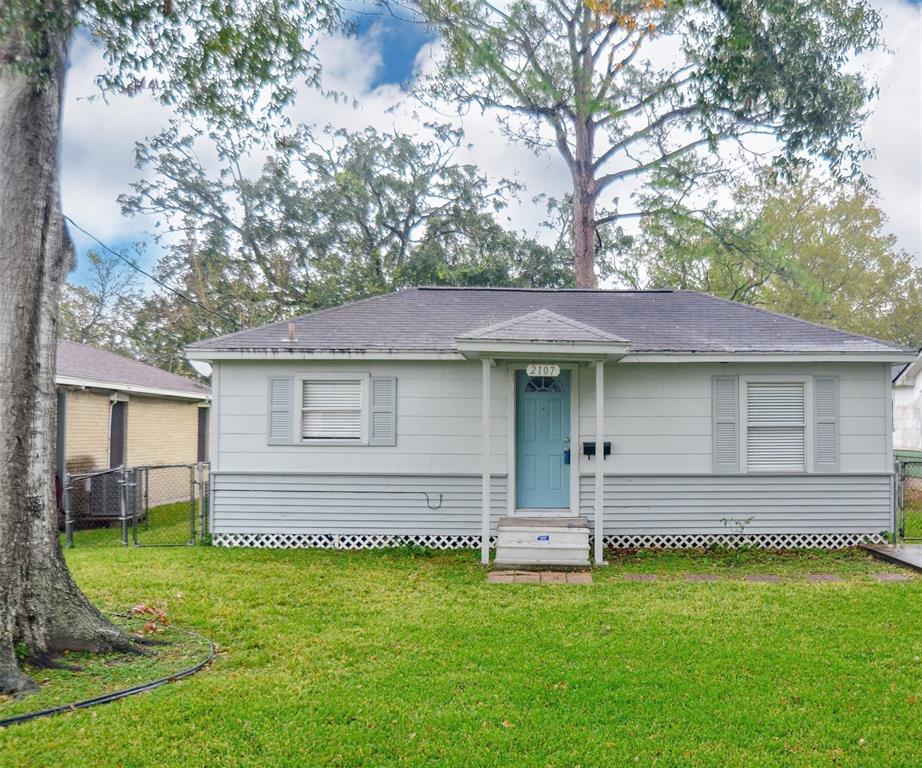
x=115 y=411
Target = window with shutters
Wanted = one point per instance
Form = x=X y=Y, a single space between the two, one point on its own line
x=332 y=410
x=775 y=414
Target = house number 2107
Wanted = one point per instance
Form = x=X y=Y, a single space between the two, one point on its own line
x=542 y=369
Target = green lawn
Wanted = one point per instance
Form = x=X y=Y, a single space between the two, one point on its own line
x=389 y=659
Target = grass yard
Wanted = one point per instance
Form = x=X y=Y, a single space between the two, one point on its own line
x=370 y=659
x=166 y=524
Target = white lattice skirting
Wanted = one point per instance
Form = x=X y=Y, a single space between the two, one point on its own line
x=344 y=541
x=638 y=541
x=760 y=540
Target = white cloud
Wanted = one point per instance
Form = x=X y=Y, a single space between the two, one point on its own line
x=98 y=148
x=894 y=130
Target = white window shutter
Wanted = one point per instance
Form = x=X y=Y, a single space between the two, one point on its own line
x=382 y=428
x=281 y=409
x=826 y=423
x=725 y=424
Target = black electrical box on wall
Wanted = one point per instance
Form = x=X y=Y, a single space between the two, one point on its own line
x=589 y=449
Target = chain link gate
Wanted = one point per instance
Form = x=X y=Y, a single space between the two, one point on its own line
x=155 y=505
x=909 y=499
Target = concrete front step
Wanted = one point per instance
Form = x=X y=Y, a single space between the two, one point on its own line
x=561 y=542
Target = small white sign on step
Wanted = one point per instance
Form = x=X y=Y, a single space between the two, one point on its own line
x=542 y=369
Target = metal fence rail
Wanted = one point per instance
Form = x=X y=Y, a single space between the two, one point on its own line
x=152 y=505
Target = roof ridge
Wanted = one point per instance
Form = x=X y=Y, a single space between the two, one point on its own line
x=772 y=313
x=523 y=289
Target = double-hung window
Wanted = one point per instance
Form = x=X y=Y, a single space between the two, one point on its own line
x=775 y=418
x=775 y=423
x=332 y=410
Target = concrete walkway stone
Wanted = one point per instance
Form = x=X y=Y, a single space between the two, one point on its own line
x=524 y=577
x=890 y=576
x=539 y=577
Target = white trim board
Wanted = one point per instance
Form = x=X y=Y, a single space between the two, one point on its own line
x=630 y=357
x=72 y=381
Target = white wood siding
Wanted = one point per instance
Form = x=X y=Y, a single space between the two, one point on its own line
x=349 y=504
x=659 y=477
x=658 y=416
x=682 y=504
x=438 y=421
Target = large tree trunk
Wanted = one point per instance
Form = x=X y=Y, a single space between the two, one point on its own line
x=40 y=605
x=584 y=197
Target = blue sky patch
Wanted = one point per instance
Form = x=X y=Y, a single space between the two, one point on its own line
x=399 y=41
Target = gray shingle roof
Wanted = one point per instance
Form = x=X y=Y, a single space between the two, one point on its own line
x=430 y=319
x=541 y=325
x=80 y=361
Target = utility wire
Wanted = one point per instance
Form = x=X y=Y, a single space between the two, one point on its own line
x=157 y=280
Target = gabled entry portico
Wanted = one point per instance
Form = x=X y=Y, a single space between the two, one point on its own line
x=546 y=429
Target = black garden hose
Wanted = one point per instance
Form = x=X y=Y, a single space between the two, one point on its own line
x=116 y=695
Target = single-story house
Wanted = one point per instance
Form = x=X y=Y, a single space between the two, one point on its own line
x=549 y=421
x=907 y=406
x=115 y=411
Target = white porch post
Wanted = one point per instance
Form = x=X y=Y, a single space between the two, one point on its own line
x=599 y=456
x=485 y=470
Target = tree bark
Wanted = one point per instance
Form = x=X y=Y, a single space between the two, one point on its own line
x=41 y=607
x=584 y=198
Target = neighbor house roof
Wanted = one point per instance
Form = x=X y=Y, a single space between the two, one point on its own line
x=431 y=320
x=82 y=365
x=904 y=375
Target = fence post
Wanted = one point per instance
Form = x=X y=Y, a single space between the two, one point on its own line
x=137 y=505
x=203 y=525
x=123 y=505
x=68 y=513
x=192 y=503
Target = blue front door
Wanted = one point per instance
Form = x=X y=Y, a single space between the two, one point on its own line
x=542 y=428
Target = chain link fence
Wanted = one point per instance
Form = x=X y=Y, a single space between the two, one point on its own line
x=909 y=499
x=157 y=505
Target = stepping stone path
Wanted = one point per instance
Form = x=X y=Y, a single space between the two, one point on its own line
x=539 y=577
x=819 y=578
x=890 y=576
x=585 y=577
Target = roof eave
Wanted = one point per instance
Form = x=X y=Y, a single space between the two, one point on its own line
x=769 y=356
x=137 y=389
x=509 y=349
x=909 y=372
x=277 y=353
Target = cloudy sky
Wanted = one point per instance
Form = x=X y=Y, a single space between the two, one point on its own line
x=99 y=137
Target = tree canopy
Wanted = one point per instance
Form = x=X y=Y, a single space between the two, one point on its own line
x=657 y=92
x=810 y=247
